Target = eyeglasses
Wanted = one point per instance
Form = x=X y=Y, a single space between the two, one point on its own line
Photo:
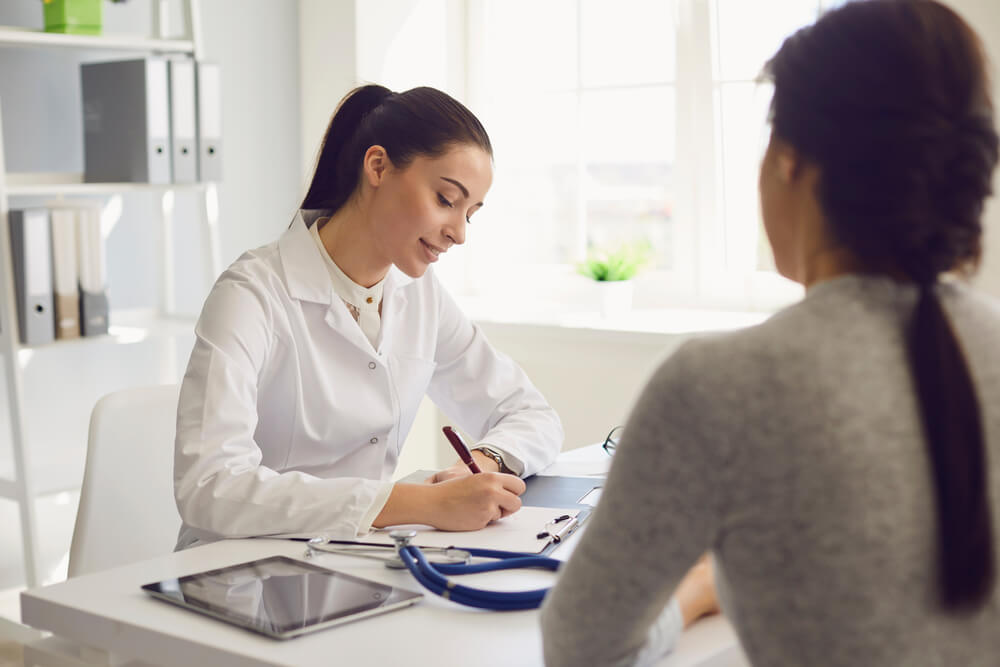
x=611 y=442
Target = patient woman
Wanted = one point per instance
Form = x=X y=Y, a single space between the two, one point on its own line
x=841 y=460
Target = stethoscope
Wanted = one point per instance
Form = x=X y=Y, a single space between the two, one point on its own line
x=455 y=561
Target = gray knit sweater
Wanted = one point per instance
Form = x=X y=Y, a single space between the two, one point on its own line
x=794 y=451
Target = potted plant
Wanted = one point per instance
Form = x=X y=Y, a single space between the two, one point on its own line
x=613 y=270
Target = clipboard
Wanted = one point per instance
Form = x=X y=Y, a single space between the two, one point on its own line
x=555 y=491
x=541 y=490
x=521 y=531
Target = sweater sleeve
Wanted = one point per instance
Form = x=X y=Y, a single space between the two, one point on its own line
x=658 y=513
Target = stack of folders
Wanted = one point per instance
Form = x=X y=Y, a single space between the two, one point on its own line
x=151 y=120
x=60 y=275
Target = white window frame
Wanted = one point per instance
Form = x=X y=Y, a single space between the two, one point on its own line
x=698 y=276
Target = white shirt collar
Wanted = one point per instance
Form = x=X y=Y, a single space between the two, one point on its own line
x=362 y=298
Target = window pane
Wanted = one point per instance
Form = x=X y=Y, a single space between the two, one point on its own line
x=628 y=157
x=530 y=214
x=626 y=42
x=630 y=202
x=749 y=33
x=572 y=166
x=527 y=44
x=744 y=139
x=628 y=125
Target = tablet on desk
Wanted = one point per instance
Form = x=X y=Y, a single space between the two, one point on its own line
x=281 y=597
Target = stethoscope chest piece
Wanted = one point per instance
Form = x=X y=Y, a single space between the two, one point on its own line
x=402 y=538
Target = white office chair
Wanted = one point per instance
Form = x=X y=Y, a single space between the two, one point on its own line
x=127 y=511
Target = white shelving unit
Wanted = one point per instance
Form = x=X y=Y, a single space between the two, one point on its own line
x=22 y=486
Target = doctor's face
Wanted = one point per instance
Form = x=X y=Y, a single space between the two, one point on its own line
x=419 y=212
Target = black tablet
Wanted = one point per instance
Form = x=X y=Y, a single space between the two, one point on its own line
x=281 y=597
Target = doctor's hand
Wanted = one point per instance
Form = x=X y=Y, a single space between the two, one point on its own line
x=472 y=501
x=468 y=502
x=459 y=469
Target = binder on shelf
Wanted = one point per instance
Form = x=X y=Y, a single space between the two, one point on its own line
x=65 y=273
x=126 y=121
x=209 y=99
x=93 y=273
x=31 y=250
x=183 y=121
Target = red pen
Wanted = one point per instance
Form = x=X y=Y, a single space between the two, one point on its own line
x=463 y=450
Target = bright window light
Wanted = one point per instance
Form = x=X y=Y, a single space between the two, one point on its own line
x=637 y=119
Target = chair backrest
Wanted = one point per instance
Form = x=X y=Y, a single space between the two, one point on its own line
x=127 y=510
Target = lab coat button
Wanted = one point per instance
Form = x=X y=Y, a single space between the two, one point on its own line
x=371 y=365
x=374 y=441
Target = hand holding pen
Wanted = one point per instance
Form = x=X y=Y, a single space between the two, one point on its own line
x=468 y=461
x=461 y=497
x=461 y=449
x=470 y=501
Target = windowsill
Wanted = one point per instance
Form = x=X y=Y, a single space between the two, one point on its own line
x=560 y=318
x=553 y=299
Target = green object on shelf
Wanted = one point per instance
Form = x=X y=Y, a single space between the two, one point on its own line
x=78 y=17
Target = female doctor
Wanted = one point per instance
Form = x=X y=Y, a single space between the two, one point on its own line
x=313 y=353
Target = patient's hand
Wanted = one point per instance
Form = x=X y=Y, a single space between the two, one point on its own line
x=696 y=592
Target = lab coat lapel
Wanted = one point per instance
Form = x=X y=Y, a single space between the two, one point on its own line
x=308 y=279
x=305 y=274
x=393 y=302
x=341 y=321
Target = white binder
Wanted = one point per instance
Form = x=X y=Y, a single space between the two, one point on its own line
x=93 y=273
x=65 y=272
x=209 y=98
x=183 y=122
x=32 y=255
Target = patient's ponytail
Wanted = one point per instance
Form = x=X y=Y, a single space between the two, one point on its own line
x=890 y=99
x=954 y=432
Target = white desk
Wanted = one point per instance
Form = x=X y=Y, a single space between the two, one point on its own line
x=108 y=611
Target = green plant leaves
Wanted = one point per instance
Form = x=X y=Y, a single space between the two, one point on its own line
x=620 y=263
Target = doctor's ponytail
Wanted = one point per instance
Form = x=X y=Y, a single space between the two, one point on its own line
x=418 y=122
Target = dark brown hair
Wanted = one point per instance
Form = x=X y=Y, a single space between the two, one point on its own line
x=418 y=122
x=890 y=98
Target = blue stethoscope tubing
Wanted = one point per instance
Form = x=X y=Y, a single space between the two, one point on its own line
x=432 y=577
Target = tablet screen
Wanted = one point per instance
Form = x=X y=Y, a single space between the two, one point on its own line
x=281 y=597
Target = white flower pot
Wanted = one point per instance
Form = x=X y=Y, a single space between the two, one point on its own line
x=616 y=297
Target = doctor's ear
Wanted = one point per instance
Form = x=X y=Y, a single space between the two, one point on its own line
x=374 y=165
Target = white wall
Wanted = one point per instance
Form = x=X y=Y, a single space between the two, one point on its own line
x=256 y=42
x=327 y=69
x=590 y=377
x=395 y=43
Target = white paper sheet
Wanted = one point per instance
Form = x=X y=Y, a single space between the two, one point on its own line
x=517 y=532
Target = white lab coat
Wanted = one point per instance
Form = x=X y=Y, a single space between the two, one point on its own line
x=290 y=422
